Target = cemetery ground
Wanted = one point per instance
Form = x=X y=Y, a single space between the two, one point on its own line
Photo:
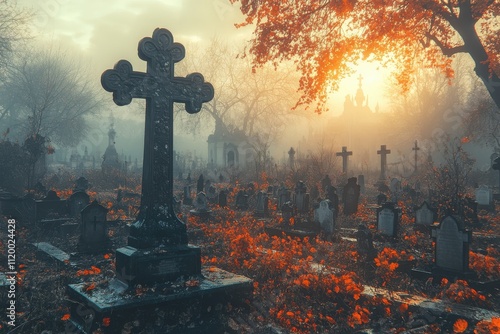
x=308 y=285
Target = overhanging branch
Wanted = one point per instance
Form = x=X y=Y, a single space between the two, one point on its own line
x=446 y=50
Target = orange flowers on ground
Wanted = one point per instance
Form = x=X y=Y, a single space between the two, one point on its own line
x=460 y=326
x=92 y=271
x=65 y=317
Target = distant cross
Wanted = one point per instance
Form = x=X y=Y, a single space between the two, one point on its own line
x=291 y=157
x=157 y=223
x=345 y=156
x=416 y=148
x=383 y=160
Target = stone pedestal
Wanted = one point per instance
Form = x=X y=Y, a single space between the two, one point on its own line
x=144 y=266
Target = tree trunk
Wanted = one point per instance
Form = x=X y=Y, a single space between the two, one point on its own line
x=476 y=50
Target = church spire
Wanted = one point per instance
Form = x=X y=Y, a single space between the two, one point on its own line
x=360 y=97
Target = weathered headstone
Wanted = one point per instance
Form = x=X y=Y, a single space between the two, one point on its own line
x=325 y=183
x=396 y=189
x=484 y=198
x=283 y=196
x=93 y=229
x=301 y=197
x=200 y=184
x=381 y=199
x=81 y=184
x=223 y=198
x=212 y=194
x=77 y=202
x=186 y=198
x=241 y=200
x=325 y=217
x=262 y=205
x=452 y=245
x=50 y=206
x=351 y=196
x=387 y=219
x=158 y=250
x=364 y=241
x=425 y=214
x=201 y=205
x=331 y=195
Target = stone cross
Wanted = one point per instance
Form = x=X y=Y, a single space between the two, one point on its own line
x=383 y=160
x=157 y=223
x=345 y=156
x=416 y=148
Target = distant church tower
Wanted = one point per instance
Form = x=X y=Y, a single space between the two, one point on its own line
x=111 y=161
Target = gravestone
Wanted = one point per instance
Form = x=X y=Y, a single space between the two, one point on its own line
x=283 y=196
x=93 y=229
x=364 y=243
x=325 y=183
x=201 y=206
x=325 y=217
x=301 y=197
x=186 y=198
x=350 y=196
x=200 y=184
x=452 y=245
x=77 y=202
x=361 y=182
x=381 y=199
x=81 y=184
x=262 y=205
x=383 y=161
x=223 y=198
x=212 y=194
x=158 y=251
x=331 y=195
x=396 y=189
x=425 y=214
x=50 y=207
x=387 y=219
x=241 y=200
x=484 y=198
x=345 y=156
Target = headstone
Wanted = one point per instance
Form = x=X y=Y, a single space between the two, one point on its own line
x=361 y=182
x=93 y=229
x=301 y=197
x=364 y=240
x=283 y=196
x=262 y=207
x=395 y=187
x=291 y=158
x=201 y=205
x=351 y=196
x=325 y=183
x=50 y=206
x=381 y=199
x=221 y=178
x=425 y=214
x=81 y=184
x=186 y=198
x=387 y=219
x=200 y=184
x=325 y=217
x=241 y=200
x=212 y=194
x=452 y=245
x=223 y=198
x=484 y=198
x=77 y=202
x=331 y=195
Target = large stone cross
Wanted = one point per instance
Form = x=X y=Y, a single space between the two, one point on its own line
x=383 y=160
x=157 y=224
x=345 y=156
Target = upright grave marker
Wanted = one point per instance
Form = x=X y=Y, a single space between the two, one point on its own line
x=345 y=156
x=157 y=224
x=452 y=245
x=383 y=160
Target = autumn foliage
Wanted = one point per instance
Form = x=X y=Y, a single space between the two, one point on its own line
x=324 y=38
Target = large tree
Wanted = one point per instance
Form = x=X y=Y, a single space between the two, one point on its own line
x=325 y=37
x=45 y=93
x=13 y=28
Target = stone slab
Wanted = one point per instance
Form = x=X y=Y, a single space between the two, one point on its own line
x=54 y=253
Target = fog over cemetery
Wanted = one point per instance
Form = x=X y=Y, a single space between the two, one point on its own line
x=244 y=166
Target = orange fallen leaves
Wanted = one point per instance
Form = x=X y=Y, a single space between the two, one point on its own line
x=65 y=317
x=460 y=326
